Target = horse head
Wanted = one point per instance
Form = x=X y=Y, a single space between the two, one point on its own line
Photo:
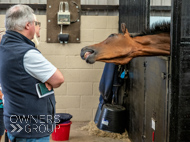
x=121 y=48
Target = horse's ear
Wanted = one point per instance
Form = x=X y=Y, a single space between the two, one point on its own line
x=123 y=28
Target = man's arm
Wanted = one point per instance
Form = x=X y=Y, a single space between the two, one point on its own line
x=56 y=79
x=40 y=68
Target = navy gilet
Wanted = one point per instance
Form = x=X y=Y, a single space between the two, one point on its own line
x=25 y=114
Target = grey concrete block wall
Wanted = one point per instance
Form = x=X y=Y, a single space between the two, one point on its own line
x=79 y=95
x=24 y=1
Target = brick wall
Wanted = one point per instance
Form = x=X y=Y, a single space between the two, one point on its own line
x=79 y=95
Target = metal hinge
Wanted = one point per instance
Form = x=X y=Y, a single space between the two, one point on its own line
x=165 y=75
x=145 y=63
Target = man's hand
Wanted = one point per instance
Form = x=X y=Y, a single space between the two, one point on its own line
x=48 y=86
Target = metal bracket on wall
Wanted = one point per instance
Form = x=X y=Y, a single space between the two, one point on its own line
x=53 y=29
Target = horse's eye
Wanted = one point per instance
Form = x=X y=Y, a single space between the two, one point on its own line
x=111 y=35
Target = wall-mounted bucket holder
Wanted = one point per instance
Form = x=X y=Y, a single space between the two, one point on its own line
x=63 y=38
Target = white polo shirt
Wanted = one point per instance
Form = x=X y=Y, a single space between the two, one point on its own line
x=38 y=66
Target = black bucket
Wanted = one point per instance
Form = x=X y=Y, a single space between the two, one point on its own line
x=112 y=118
x=97 y=116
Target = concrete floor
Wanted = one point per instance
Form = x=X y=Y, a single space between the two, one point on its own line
x=78 y=135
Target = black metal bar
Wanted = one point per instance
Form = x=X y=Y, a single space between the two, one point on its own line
x=175 y=70
x=83 y=7
x=99 y=7
x=160 y=8
x=185 y=39
x=148 y=8
x=33 y=6
x=88 y=7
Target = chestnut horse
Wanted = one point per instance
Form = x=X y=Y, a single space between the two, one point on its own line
x=122 y=48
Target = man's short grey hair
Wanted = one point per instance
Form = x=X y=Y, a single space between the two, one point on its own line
x=17 y=16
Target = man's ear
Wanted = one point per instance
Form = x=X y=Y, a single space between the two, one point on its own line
x=27 y=25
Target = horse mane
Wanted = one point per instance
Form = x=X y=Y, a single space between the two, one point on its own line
x=156 y=28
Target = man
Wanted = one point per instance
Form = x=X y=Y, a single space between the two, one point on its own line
x=27 y=117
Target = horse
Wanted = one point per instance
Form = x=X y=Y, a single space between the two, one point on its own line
x=122 y=48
